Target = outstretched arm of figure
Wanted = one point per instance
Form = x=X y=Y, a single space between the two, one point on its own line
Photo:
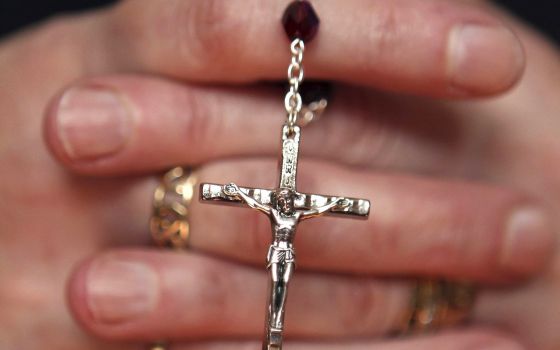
x=308 y=214
x=233 y=190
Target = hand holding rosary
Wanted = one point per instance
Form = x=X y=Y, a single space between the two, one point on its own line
x=434 y=303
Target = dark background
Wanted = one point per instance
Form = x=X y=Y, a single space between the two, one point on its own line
x=14 y=14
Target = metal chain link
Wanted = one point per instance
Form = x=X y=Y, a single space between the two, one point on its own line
x=293 y=101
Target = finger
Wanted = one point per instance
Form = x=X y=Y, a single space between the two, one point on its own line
x=417 y=226
x=146 y=295
x=456 y=48
x=126 y=124
x=457 y=340
x=528 y=310
x=109 y=125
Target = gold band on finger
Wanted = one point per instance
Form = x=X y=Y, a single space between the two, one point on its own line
x=169 y=223
x=437 y=304
x=158 y=346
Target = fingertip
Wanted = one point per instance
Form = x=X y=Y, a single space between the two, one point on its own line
x=76 y=294
x=110 y=293
x=529 y=241
x=483 y=59
x=50 y=135
x=86 y=124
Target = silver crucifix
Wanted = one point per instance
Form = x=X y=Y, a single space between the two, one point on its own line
x=285 y=208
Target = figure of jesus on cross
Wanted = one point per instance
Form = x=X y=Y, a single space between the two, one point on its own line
x=284 y=218
x=285 y=208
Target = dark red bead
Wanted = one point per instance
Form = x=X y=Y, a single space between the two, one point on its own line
x=300 y=21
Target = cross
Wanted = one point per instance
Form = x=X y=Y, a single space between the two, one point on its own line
x=285 y=208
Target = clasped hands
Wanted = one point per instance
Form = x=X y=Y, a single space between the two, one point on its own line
x=444 y=113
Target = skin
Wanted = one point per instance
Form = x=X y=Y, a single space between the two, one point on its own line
x=447 y=158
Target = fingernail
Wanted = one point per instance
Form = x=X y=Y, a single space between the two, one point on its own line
x=93 y=122
x=120 y=291
x=528 y=240
x=484 y=58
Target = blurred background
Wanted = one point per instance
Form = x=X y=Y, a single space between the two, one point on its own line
x=15 y=14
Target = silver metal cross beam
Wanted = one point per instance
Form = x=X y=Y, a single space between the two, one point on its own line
x=355 y=207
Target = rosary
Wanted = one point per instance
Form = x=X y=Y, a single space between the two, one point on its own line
x=284 y=206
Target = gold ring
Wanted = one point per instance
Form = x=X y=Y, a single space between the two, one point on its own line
x=159 y=346
x=438 y=303
x=169 y=223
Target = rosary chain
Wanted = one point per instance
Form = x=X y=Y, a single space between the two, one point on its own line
x=293 y=101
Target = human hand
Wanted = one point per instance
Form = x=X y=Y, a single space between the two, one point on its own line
x=82 y=203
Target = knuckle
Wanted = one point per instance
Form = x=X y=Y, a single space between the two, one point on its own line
x=215 y=32
x=180 y=32
x=383 y=31
x=361 y=141
x=182 y=37
x=370 y=144
x=203 y=121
